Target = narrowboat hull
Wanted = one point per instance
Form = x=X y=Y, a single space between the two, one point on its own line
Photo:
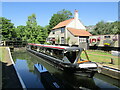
x=67 y=67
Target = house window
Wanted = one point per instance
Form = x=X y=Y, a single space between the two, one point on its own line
x=53 y=32
x=82 y=39
x=62 y=40
x=62 y=30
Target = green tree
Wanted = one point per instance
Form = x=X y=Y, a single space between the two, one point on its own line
x=116 y=27
x=42 y=34
x=31 y=27
x=59 y=17
x=99 y=29
x=21 y=32
x=7 y=29
x=103 y=28
x=66 y=13
x=35 y=33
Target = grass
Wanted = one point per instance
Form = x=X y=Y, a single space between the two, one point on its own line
x=9 y=76
x=3 y=54
x=98 y=52
x=103 y=58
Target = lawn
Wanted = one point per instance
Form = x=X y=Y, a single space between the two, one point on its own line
x=103 y=58
x=3 y=54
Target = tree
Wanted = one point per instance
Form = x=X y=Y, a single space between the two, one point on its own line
x=7 y=29
x=103 y=28
x=99 y=29
x=66 y=13
x=35 y=33
x=31 y=29
x=116 y=27
x=42 y=34
x=21 y=32
x=59 y=17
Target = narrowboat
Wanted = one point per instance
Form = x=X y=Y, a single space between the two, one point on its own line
x=70 y=59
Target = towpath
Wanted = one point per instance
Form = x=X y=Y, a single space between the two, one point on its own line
x=9 y=76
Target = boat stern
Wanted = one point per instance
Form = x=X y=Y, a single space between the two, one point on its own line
x=88 y=65
x=87 y=69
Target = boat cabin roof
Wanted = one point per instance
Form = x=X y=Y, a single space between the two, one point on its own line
x=57 y=47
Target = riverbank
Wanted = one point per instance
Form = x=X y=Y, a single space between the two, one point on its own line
x=109 y=71
x=109 y=65
x=104 y=58
x=10 y=78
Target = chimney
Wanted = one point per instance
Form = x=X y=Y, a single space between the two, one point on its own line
x=76 y=18
x=76 y=14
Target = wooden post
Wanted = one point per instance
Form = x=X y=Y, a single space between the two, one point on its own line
x=111 y=61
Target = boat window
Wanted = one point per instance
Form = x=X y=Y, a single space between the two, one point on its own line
x=48 y=51
x=44 y=50
x=58 y=54
x=53 y=52
x=41 y=49
x=71 y=55
x=33 y=47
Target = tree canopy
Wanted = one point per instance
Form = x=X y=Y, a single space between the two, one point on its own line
x=32 y=32
x=7 y=29
x=59 y=17
x=103 y=28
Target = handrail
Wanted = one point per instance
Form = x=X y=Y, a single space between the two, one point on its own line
x=86 y=55
x=82 y=61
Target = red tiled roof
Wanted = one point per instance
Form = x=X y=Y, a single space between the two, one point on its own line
x=79 y=32
x=62 y=24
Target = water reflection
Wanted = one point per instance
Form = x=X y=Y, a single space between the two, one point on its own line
x=29 y=78
x=24 y=62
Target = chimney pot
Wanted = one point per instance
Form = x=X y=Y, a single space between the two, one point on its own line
x=76 y=14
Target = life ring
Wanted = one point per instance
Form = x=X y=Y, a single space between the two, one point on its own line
x=93 y=40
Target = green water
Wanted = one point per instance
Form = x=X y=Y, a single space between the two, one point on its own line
x=24 y=62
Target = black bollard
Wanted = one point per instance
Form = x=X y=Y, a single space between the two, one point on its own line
x=111 y=61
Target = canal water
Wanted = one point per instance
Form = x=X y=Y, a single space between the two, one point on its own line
x=24 y=62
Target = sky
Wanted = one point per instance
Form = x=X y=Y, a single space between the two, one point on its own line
x=90 y=13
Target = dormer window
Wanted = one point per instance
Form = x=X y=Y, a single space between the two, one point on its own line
x=106 y=36
x=62 y=30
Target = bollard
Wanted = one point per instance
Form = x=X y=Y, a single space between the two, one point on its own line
x=111 y=61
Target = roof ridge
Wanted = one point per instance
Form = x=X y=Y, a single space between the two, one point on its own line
x=63 y=23
x=79 y=32
x=75 y=28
